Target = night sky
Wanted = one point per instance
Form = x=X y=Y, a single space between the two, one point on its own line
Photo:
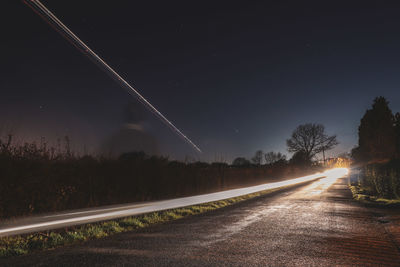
x=234 y=77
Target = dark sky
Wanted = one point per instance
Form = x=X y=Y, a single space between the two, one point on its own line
x=234 y=77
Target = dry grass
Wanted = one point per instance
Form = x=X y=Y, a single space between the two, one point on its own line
x=24 y=244
x=363 y=196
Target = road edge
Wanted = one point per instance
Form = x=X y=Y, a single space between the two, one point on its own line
x=28 y=243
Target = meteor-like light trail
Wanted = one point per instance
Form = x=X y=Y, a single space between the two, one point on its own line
x=50 y=18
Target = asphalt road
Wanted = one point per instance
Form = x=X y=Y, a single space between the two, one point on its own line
x=312 y=225
x=46 y=222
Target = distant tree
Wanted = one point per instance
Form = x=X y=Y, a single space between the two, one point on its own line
x=376 y=133
x=241 y=162
x=272 y=157
x=258 y=157
x=310 y=139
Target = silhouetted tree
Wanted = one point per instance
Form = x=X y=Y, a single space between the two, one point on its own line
x=376 y=133
x=272 y=157
x=300 y=159
x=310 y=139
x=258 y=156
x=241 y=162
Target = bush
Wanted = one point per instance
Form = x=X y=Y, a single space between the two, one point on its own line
x=382 y=179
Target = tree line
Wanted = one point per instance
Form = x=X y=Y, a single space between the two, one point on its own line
x=378 y=150
x=306 y=141
x=378 y=134
x=35 y=178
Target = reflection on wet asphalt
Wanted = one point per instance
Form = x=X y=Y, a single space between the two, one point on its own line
x=313 y=225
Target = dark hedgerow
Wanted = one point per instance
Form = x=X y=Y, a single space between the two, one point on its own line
x=379 y=181
x=37 y=178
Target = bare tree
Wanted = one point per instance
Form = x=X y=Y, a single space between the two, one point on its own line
x=272 y=157
x=311 y=139
x=257 y=159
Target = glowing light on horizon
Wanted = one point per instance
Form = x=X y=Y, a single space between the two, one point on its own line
x=323 y=184
x=336 y=172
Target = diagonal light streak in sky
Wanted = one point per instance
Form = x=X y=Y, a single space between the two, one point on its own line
x=51 y=19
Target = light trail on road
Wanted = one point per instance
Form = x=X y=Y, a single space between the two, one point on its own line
x=292 y=228
x=67 y=219
x=53 y=21
x=320 y=186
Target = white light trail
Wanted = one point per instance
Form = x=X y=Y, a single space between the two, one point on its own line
x=323 y=184
x=68 y=219
x=50 y=18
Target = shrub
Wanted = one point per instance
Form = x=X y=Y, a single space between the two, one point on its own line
x=382 y=179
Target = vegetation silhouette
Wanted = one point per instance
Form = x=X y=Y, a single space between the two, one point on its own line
x=301 y=159
x=310 y=139
x=273 y=158
x=378 y=151
x=241 y=162
x=36 y=178
x=258 y=157
x=377 y=133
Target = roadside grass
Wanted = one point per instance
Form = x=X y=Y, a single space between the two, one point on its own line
x=24 y=244
x=362 y=195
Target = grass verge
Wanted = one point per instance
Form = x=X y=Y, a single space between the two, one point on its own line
x=362 y=195
x=24 y=244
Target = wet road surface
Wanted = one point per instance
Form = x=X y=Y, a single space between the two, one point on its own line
x=47 y=222
x=313 y=225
